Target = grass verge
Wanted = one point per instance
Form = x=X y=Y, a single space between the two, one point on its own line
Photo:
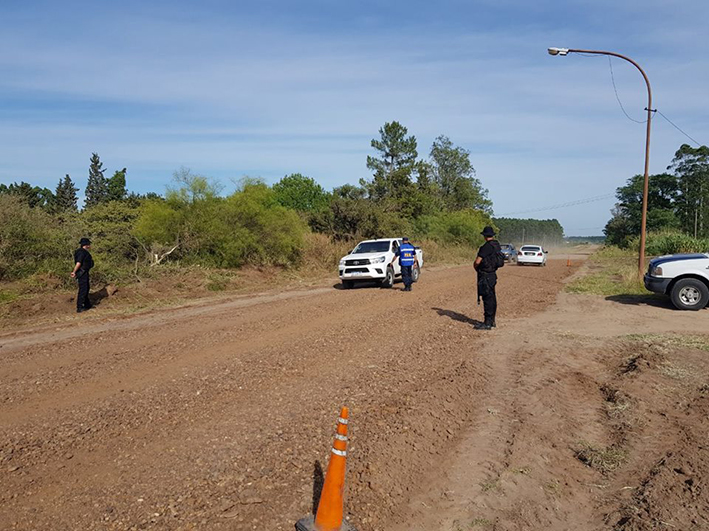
x=611 y=272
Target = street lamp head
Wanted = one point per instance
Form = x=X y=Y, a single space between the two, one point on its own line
x=558 y=51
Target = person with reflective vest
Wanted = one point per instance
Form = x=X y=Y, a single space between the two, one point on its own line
x=407 y=260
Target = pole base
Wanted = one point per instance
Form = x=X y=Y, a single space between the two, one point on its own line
x=308 y=524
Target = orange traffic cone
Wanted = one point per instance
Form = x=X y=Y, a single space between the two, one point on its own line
x=568 y=262
x=330 y=508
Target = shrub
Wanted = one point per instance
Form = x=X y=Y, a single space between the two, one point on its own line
x=670 y=242
x=453 y=228
x=30 y=241
x=248 y=226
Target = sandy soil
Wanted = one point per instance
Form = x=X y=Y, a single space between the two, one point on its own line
x=220 y=416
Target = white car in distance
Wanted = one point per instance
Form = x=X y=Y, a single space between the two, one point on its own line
x=532 y=254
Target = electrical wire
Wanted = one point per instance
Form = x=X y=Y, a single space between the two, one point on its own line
x=615 y=89
x=561 y=205
x=678 y=129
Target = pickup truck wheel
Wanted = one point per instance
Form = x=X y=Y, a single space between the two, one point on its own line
x=388 y=281
x=347 y=284
x=689 y=294
x=415 y=273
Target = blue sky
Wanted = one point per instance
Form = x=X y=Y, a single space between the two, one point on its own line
x=264 y=89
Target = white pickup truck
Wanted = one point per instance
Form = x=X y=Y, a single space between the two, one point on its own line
x=684 y=277
x=372 y=260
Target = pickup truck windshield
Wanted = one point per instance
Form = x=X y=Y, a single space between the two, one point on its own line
x=371 y=247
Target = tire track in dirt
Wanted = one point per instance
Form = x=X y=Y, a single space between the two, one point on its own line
x=579 y=426
x=223 y=437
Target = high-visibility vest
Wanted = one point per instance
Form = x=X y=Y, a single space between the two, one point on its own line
x=407 y=254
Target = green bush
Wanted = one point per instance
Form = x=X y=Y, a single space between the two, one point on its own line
x=30 y=241
x=453 y=228
x=248 y=226
x=670 y=242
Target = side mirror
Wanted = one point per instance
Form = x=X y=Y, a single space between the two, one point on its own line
x=350 y=251
x=546 y=252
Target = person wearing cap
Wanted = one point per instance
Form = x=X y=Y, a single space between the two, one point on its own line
x=83 y=262
x=486 y=264
x=407 y=260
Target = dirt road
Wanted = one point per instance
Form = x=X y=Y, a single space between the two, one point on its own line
x=221 y=416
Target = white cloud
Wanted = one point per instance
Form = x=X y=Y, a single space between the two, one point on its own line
x=227 y=100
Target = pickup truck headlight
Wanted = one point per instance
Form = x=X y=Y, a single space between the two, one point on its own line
x=656 y=272
x=342 y=261
x=378 y=260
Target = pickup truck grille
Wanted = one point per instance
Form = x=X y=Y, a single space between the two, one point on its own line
x=357 y=270
x=358 y=262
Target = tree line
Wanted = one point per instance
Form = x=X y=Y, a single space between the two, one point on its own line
x=99 y=189
x=678 y=200
x=545 y=232
x=436 y=197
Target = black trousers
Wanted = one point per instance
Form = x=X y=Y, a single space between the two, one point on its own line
x=82 y=299
x=486 y=292
x=406 y=275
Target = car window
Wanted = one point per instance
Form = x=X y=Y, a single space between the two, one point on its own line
x=394 y=246
x=371 y=247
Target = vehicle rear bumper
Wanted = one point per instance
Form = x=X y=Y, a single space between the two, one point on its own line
x=656 y=285
x=530 y=259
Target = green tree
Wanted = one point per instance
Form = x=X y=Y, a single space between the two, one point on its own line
x=301 y=193
x=626 y=221
x=66 y=198
x=34 y=196
x=691 y=167
x=394 y=165
x=539 y=231
x=97 y=186
x=454 y=174
x=116 y=186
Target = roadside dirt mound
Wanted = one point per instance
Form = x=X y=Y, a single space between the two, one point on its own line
x=576 y=430
x=668 y=458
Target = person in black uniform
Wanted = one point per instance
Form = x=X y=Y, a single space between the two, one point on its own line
x=486 y=265
x=83 y=262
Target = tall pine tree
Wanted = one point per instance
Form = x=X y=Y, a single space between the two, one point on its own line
x=66 y=198
x=394 y=165
x=117 y=186
x=97 y=186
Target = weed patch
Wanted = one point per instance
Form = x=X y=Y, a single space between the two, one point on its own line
x=610 y=278
x=670 y=341
x=7 y=296
x=602 y=459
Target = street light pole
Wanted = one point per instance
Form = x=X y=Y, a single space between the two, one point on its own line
x=643 y=221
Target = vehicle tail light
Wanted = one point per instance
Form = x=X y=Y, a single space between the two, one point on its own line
x=519 y=253
x=540 y=254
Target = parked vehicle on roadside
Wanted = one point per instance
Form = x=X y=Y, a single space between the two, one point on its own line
x=371 y=260
x=684 y=277
x=509 y=251
x=532 y=254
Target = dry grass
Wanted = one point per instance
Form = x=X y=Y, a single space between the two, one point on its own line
x=672 y=342
x=602 y=459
